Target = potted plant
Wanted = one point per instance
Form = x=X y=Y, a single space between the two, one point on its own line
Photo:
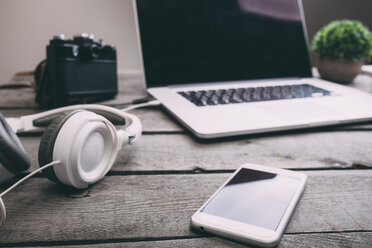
x=341 y=48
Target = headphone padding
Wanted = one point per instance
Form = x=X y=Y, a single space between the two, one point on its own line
x=48 y=139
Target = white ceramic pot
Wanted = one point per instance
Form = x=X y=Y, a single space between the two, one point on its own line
x=339 y=71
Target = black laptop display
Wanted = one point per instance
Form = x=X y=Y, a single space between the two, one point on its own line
x=221 y=40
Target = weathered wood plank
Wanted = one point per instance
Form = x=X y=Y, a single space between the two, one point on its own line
x=157 y=120
x=325 y=240
x=128 y=90
x=315 y=150
x=18 y=102
x=154 y=119
x=182 y=152
x=144 y=207
x=318 y=240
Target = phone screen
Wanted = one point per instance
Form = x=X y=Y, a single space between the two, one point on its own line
x=254 y=197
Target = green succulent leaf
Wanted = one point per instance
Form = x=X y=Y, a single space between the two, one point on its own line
x=343 y=40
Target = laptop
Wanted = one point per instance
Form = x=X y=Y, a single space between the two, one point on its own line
x=233 y=67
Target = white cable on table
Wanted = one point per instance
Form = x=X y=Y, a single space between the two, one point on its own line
x=141 y=105
x=2 y=206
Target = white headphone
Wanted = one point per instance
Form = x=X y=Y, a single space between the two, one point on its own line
x=84 y=141
x=79 y=145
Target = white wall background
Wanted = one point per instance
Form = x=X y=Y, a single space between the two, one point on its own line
x=320 y=12
x=26 y=26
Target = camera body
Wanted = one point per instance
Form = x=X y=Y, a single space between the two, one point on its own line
x=76 y=71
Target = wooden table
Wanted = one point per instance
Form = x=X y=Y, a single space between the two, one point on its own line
x=157 y=184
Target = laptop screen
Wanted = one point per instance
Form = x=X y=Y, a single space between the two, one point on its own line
x=196 y=41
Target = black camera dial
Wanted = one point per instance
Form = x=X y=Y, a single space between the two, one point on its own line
x=90 y=51
x=84 y=39
x=59 y=37
x=75 y=51
x=95 y=51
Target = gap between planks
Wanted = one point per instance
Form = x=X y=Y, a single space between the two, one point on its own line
x=152 y=239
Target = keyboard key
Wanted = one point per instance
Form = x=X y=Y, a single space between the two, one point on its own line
x=224 y=99
x=251 y=94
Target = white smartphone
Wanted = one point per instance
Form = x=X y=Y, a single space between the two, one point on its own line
x=253 y=206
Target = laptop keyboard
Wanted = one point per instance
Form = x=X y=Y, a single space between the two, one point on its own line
x=253 y=94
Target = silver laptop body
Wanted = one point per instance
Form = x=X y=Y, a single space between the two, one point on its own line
x=186 y=72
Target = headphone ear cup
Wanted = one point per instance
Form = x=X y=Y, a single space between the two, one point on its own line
x=46 y=147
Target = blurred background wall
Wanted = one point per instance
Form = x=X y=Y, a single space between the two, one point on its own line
x=320 y=12
x=26 y=26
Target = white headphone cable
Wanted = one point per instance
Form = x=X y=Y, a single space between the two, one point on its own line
x=2 y=206
x=141 y=105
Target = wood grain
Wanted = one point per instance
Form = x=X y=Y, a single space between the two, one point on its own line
x=153 y=119
x=156 y=120
x=158 y=183
x=18 y=102
x=143 y=207
x=318 y=240
x=128 y=90
x=175 y=152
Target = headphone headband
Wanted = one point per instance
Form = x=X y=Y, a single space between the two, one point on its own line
x=13 y=155
x=38 y=122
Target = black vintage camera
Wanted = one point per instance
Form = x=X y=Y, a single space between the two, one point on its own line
x=76 y=71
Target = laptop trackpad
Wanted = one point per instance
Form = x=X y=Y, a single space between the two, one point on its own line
x=301 y=111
